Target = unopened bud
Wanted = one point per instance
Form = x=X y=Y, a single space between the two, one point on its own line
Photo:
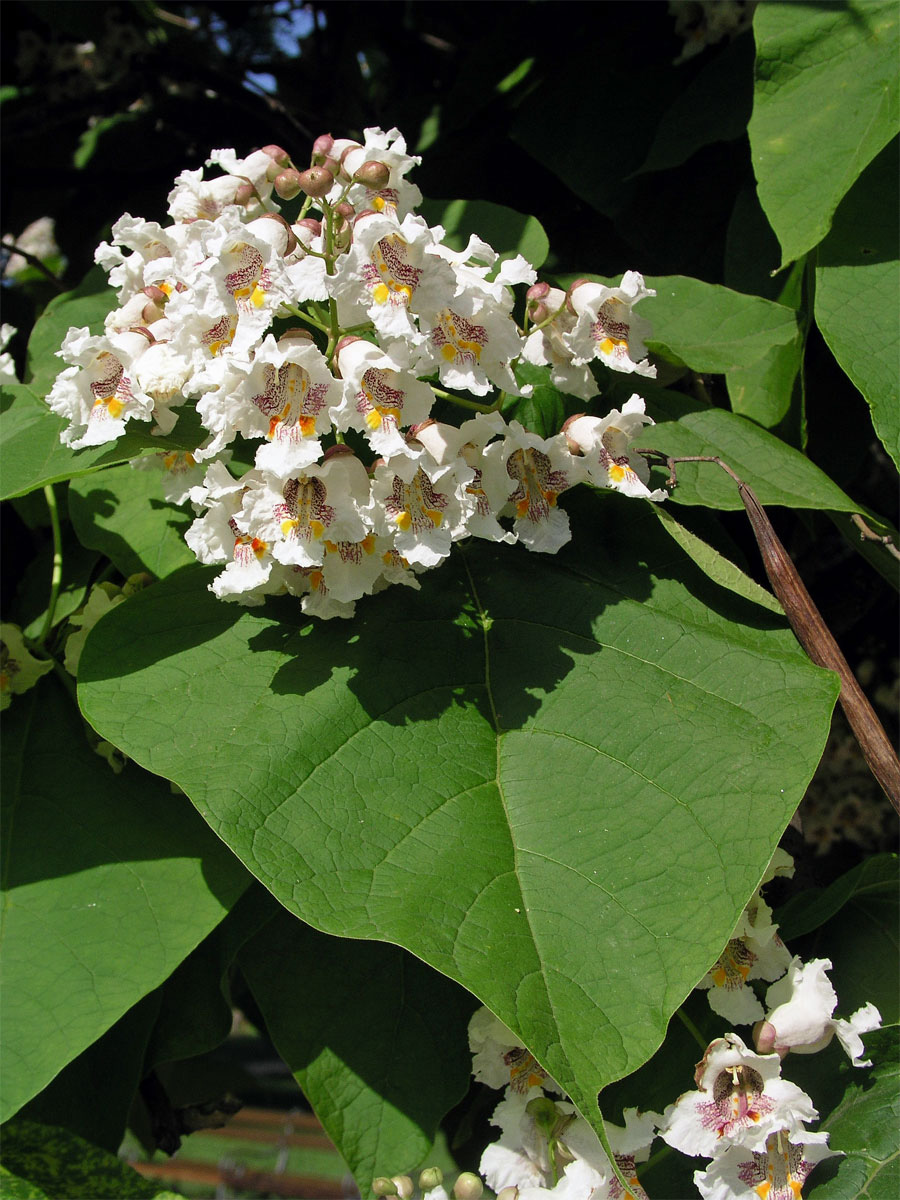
x=331 y=165
x=572 y=445
x=244 y=193
x=764 y=1036
x=339 y=450
x=321 y=148
x=508 y=1193
x=316 y=182
x=538 y=312
x=287 y=184
x=538 y=291
x=310 y=223
x=569 y=293
x=468 y=1187
x=382 y=1186
x=373 y=174
x=154 y=293
x=151 y=312
x=543 y=1112
x=431 y=1177
x=278 y=153
x=345 y=210
x=296 y=335
x=291 y=242
x=404 y=1186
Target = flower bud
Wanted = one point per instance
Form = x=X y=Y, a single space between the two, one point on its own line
x=404 y=1186
x=373 y=174
x=156 y=294
x=244 y=193
x=316 y=182
x=345 y=210
x=508 y=1193
x=321 y=148
x=468 y=1187
x=538 y=291
x=382 y=1186
x=338 y=450
x=572 y=287
x=291 y=242
x=764 y=1037
x=431 y=1177
x=296 y=335
x=287 y=184
x=573 y=446
x=278 y=154
x=152 y=311
x=310 y=223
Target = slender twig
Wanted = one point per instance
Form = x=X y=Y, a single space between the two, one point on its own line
x=809 y=628
x=692 y=1029
x=34 y=261
x=473 y=404
x=56 y=573
x=869 y=535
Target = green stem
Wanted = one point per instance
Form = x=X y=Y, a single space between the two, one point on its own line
x=303 y=316
x=56 y=574
x=689 y=1025
x=473 y=404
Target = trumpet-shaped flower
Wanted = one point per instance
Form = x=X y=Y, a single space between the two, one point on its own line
x=527 y=473
x=414 y=501
x=501 y=1060
x=607 y=328
x=777 y=1171
x=799 y=1017
x=740 y=1097
x=98 y=393
x=754 y=951
x=605 y=441
x=382 y=397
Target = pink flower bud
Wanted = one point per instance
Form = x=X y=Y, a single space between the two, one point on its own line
x=571 y=444
x=321 y=148
x=154 y=293
x=244 y=193
x=316 y=182
x=338 y=450
x=296 y=335
x=538 y=291
x=310 y=223
x=375 y=175
x=345 y=210
x=572 y=287
x=291 y=242
x=287 y=184
x=278 y=154
x=151 y=312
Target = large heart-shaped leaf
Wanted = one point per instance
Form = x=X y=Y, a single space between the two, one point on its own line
x=826 y=102
x=109 y=881
x=555 y=780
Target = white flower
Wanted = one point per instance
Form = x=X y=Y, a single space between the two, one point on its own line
x=546 y=346
x=741 y=1097
x=471 y=342
x=607 y=328
x=98 y=394
x=415 y=501
x=382 y=396
x=754 y=951
x=19 y=669
x=800 y=1017
x=7 y=366
x=528 y=473
x=389 y=148
x=604 y=442
x=776 y=1171
x=180 y=472
x=500 y=1060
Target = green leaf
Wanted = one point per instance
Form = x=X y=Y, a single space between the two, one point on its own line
x=720 y=569
x=109 y=882
x=599 y=750
x=93 y=1094
x=195 y=1013
x=713 y=329
x=714 y=107
x=121 y=512
x=87 y=305
x=31 y=454
x=857 y=280
x=864 y=1126
x=764 y=391
x=810 y=909
x=546 y=409
x=88 y=142
x=826 y=102
x=509 y=232
x=44 y=1162
x=381 y=1052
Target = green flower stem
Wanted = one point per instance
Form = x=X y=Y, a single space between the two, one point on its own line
x=689 y=1025
x=473 y=404
x=303 y=316
x=56 y=574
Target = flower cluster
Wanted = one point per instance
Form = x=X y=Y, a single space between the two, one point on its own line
x=353 y=486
